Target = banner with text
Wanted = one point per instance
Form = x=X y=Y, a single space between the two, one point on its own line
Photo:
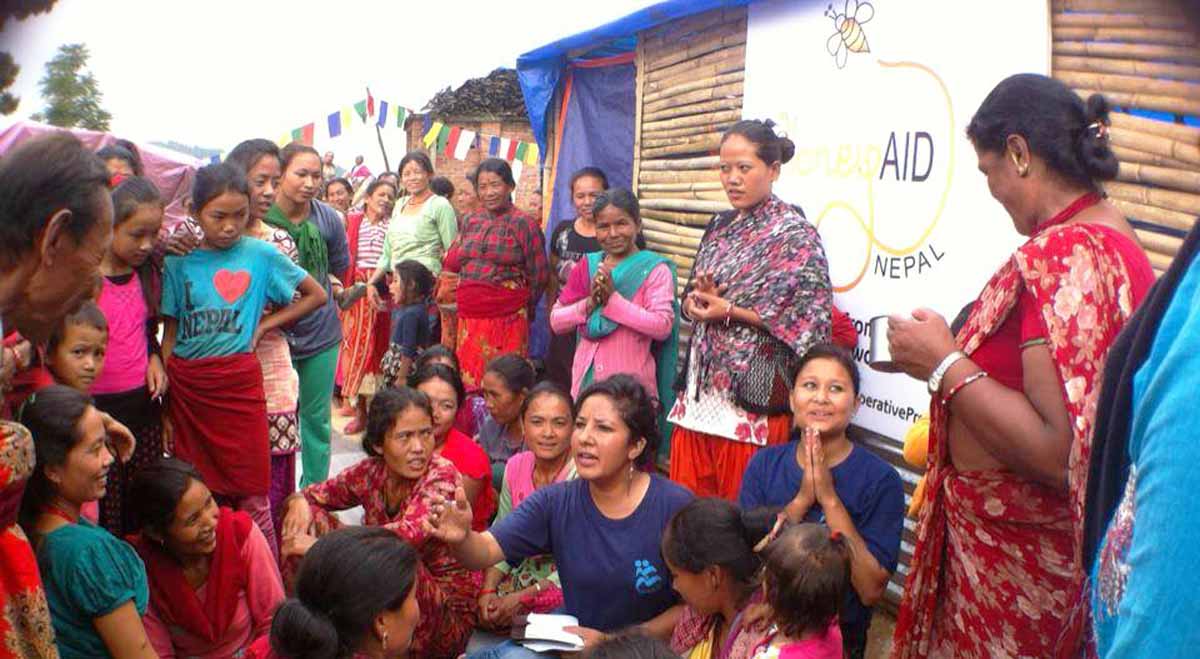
x=877 y=97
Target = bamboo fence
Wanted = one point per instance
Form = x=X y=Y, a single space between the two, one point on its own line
x=1141 y=55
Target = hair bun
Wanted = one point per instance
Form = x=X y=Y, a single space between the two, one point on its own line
x=1092 y=144
x=299 y=632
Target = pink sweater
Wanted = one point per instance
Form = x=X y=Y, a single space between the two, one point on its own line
x=251 y=620
x=644 y=319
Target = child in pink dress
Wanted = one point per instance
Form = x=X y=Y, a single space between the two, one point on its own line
x=806 y=573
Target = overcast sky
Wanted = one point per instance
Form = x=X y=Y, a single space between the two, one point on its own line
x=215 y=72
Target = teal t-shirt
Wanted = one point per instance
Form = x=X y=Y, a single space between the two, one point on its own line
x=88 y=573
x=218 y=296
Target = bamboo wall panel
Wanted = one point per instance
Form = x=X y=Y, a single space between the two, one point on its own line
x=1141 y=55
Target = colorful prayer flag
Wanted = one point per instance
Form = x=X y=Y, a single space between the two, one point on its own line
x=383 y=110
x=370 y=104
x=346 y=114
x=493 y=146
x=452 y=141
x=522 y=147
x=502 y=148
x=531 y=156
x=443 y=135
x=361 y=108
x=284 y=139
x=510 y=154
x=304 y=134
x=401 y=115
x=466 y=140
x=431 y=135
x=426 y=124
x=516 y=169
x=335 y=123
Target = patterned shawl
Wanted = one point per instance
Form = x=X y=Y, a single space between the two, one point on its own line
x=1000 y=551
x=771 y=261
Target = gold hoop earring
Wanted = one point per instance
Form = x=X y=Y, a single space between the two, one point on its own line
x=385 y=639
x=1022 y=170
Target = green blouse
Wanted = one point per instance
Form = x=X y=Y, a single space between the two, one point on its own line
x=423 y=237
x=88 y=573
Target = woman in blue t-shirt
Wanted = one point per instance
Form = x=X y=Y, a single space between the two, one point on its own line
x=821 y=476
x=604 y=529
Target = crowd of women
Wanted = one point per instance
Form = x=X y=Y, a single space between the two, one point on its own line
x=160 y=382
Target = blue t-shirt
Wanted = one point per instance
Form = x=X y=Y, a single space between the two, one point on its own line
x=410 y=328
x=218 y=296
x=869 y=488
x=612 y=571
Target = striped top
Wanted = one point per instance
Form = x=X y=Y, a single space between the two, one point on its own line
x=370 y=243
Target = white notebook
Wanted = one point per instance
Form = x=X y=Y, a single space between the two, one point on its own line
x=544 y=632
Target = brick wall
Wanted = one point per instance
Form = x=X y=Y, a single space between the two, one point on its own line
x=457 y=170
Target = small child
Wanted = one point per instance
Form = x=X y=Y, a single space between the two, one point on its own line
x=213 y=300
x=410 y=288
x=74 y=357
x=75 y=350
x=134 y=380
x=806 y=574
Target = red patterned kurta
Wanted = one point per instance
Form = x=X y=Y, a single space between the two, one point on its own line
x=447 y=592
x=996 y=569
x=25 y=629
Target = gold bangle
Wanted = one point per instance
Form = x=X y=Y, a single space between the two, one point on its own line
x=978 y=375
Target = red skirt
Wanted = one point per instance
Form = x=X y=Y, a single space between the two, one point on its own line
x=365 y=333
x=218 y=414
x=712 y=466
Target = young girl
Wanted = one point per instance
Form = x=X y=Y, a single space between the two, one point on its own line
x=134 y=379
x=533 y=586
x=95 y=584
x=622 y=302
x=213 y=300
x=506 y=381
x=410 y=289
x=806 y=573
x=75 y=352
x=472 y=411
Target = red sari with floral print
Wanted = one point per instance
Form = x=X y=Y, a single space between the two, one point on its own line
x=447 y=592
x=25 y=628
x=996 y=569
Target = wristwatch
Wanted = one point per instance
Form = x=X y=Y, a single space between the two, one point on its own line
x=935 y=378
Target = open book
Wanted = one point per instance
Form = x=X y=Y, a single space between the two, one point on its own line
x=543 y=632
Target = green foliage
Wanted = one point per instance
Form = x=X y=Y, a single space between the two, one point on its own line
x=72 y=94
x=8 y=75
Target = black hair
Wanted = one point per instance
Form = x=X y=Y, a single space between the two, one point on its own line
x=52 y=416
x=117 y=152
x=156 y=491
x=371 y=187
x=1061 y=129
x=621 y=198
x=131 y=193
x=414 y=273
x=807 y=572
x=961 y=318
x=547 y=388
x=495 y=166
x=418 y=157
x=387 y=405
x=837 y=354
x=435 y=351
x=87 y=315
x=441 y=372
x=41 y=177
x=638 y=410
x=349 y=188
x=441 y=186
x=515 y=370
x=212 y=181
x=588 y=172
x=344 y=582
x=711 y=531
x=138 y=169
x=247 y=153
x=288 y=153
x=389 y=175
x=632 y=645
x=473 y=178
x=770 y=147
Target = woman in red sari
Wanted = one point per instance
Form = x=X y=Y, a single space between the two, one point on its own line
x=365 y=327
x=500 y=258
x=394 y=485
x=996 y=569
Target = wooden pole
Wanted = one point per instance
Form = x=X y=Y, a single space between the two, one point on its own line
x=639 y=95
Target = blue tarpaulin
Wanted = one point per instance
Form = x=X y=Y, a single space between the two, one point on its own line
x=540 y=70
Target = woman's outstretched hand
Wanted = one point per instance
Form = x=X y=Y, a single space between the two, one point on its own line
x=449 y=520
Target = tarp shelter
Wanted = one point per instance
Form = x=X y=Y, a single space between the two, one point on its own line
x=580 y=95
x=170 y=170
